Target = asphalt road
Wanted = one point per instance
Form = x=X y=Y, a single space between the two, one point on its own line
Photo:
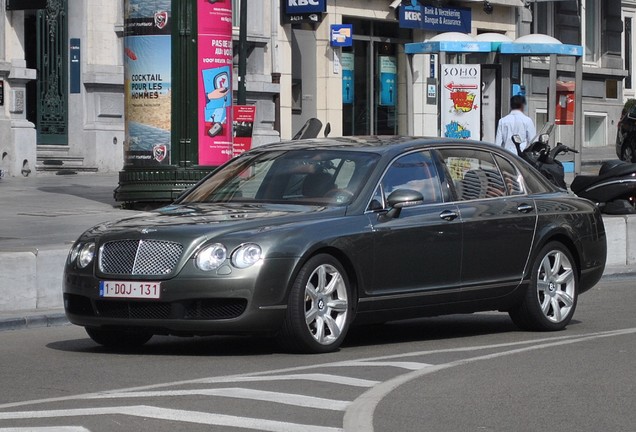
x=457 y=373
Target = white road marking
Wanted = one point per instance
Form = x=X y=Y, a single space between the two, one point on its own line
x=401 y=365
x=46 y=429
x=359 y=415
x=240 y=393
x=326 y=378
x=174 y=415
x=307 y=367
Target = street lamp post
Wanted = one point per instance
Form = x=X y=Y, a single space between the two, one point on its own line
x=242 y=65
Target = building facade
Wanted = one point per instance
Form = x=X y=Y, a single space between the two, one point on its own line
x=597 y=25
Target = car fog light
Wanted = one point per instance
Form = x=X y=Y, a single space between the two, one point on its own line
x=86 y=255
x=247 y=255
x=211 y=257
x=74 y=252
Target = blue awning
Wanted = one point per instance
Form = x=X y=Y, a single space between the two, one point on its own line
x=434 y=47
x=541 y=49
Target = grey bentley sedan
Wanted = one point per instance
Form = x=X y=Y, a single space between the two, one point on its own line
x=301 y=239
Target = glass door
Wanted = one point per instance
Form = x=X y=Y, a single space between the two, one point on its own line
x=386 y=92
x=356 y=88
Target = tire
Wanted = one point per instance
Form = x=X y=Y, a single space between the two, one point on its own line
x=628 y=154
x=118 y=339
x=320 y=307
x=551 y=297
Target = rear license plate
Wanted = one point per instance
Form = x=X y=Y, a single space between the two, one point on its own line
x=134 y=290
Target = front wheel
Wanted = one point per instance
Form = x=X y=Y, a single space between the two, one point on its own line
x=552 y=296
x=320 y=307
x=118 y=339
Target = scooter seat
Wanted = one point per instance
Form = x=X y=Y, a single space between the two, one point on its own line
x=608 y=170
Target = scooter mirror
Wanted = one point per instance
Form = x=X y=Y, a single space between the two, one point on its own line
x=516 y=139
x=544 y=138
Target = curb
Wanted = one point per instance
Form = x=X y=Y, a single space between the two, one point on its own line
x=33 y=321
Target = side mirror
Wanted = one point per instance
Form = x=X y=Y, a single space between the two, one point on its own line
x=516 y=139
x=544 y=138
x=400 y=199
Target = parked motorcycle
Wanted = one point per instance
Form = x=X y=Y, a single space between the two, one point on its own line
x=613 y=189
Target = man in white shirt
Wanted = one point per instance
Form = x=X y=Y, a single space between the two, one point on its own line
x=515 y=123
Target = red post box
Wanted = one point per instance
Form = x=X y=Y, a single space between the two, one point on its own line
x=565 y=105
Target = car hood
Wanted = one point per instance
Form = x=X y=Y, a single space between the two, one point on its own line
x=204 y=220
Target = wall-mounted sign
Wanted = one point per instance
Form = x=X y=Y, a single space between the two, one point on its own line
x=388 y=80
x=431 y=91
x=460 y=94
x=416 y=16
x=348 y=77
x=75 y=68
x=148 y=83
x=295 y=7
x=244 y=117
x=341 y=35
x=215 y=82
x=26 y=4
x=313 y=18
x=1 y=93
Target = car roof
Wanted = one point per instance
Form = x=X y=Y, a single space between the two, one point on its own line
x=375 y=144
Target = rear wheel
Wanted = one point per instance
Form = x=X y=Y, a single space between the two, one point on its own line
x=551 y=298
x=118 y=339
x=320 y=308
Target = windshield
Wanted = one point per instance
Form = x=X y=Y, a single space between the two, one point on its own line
x=318 y=177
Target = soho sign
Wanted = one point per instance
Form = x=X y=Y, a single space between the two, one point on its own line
x=461 y=72
x=305 y=6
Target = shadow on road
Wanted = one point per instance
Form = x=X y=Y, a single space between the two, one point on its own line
x=101 y=194
x=420 y=330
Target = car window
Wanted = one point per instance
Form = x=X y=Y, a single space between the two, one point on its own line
x=512 y=178
x=320 y=177
x=474 y=174
x=415 y=171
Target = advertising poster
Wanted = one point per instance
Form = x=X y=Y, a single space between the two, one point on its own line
x=215 y=82
x=244 y=117
x=348 y=77
x=388 y=80
x=148 y=82
x=460 y=94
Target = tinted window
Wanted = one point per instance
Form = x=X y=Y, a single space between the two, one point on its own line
x=415 y=171
x=512 y=178
x=474 y=173
x=325 y=177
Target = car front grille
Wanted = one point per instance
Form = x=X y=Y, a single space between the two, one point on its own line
x=139 y=257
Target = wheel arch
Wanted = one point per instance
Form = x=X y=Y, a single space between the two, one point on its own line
x=565 y=240
x=342 y=257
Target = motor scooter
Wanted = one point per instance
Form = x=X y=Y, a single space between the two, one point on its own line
x=613 y=189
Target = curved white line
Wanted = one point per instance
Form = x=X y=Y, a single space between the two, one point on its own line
x=359 y=415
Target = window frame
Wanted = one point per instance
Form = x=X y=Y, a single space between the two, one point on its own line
x=597 y=35
x=456 y=200
x=378 y=185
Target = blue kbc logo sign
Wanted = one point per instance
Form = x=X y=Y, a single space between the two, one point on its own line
x=294 y=7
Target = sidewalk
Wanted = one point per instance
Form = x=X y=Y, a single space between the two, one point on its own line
x=40 y=218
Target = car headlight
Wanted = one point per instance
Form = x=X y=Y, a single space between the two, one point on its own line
x=211 y=257
x=74 y=252
x=86 y=255
x=247 y=255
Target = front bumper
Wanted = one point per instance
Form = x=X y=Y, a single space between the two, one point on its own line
x=246 y=302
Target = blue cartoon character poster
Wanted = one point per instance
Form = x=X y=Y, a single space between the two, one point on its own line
x=218 y=94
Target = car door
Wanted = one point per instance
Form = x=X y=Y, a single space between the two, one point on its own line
x=498 y=219
x=419 y=251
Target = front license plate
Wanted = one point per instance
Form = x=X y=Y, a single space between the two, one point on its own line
x=134 y=290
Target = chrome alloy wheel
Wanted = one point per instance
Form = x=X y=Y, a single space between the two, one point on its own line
x=556 y=286
x=326 y=304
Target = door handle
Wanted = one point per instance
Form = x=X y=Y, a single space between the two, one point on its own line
x=525 y=208
x=449 y=215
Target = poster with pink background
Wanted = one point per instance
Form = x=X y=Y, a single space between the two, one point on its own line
x=215 y=82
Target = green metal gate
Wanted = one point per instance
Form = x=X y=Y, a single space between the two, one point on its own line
x=52 y=76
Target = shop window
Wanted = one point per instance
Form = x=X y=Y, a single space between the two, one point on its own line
x=595 y=130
